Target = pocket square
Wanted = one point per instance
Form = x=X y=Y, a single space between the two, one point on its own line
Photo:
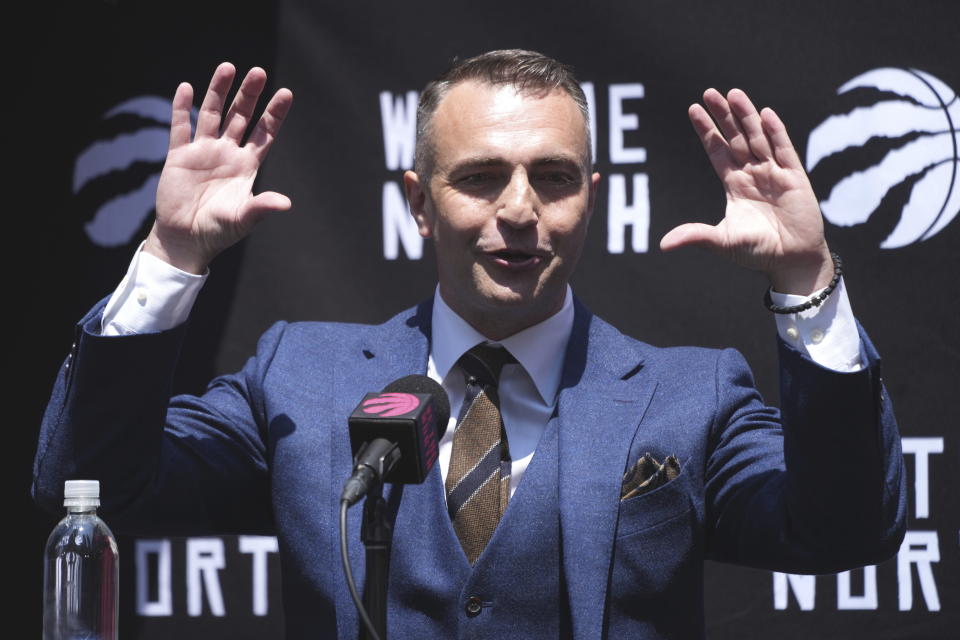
x=647 y=474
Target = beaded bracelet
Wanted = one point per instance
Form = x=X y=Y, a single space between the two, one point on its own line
x=816 y=300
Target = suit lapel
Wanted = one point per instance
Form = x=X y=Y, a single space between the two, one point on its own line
x=381 y=355
x=603 y=396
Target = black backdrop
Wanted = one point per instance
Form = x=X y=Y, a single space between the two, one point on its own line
x=339 y=256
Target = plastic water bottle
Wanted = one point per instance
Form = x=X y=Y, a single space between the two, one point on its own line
x=81 y=577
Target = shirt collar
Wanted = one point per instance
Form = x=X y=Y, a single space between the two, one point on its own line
x=540 y=349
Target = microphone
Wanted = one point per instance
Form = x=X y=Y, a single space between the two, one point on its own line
x=394 y=434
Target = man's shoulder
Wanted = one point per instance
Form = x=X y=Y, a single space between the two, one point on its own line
x=604 y=335
x=412 y=321
x=601 y=352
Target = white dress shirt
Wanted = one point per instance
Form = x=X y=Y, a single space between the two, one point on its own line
x=527 y=390
x=155 y=296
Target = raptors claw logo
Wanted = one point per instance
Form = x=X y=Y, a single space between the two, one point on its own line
x=391 y=404
x=918 y=122
x=120 y=215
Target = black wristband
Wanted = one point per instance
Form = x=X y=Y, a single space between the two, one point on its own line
x=816 y=300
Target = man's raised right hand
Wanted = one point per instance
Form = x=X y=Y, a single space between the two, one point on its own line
x=205 y=201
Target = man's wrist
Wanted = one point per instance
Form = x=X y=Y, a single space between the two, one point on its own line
x=814 y=299
x=153 y=296
x=806 y=277
x=185 y=260
x=827 y=333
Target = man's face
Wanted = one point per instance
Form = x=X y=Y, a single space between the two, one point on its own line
x=507 y=204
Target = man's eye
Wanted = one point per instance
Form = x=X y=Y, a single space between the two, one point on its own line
x=474 y=177
x=557 y=178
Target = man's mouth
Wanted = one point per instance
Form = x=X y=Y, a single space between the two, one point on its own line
x=515 y=259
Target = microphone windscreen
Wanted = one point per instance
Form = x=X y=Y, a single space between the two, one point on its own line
x=422 y=384
x=412 y=413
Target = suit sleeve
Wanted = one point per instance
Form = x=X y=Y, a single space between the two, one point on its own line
x=166 y=465
x=818 y=489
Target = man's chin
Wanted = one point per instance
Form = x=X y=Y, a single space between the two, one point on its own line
x=522 y=301
x=508 y=293
x=499 y=311
x=510 y=296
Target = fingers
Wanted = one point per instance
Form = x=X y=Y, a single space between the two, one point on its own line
x=241 y=110
x=783 y=149
x=270 y=122
x=729 y=125
x=261 y=205
x=211 y=111
x=271 y=201
x=750 y=123
x=692 y=234
x=180 y=116
x=718 y=151
x=747 y=134
x=240 y=114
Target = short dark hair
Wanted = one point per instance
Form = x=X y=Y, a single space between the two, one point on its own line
x=528 y=71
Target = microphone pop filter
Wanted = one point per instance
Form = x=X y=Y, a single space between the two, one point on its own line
x=411 y=412
x=422 y=384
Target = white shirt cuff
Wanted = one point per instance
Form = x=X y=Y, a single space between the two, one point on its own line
x=153 y=296
x=827 y=334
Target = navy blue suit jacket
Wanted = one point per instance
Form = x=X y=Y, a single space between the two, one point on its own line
x=818 y=489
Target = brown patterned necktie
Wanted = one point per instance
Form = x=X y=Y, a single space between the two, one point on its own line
x=478 y=480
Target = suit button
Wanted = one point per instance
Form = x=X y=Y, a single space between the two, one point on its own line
x=473 y=606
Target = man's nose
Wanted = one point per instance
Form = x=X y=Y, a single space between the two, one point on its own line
x=518 y=205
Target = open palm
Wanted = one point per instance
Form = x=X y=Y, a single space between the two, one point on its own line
x=772 y=221
x=205 y=201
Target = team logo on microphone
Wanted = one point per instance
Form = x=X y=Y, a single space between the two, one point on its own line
x=902 y=135
x=392 y=404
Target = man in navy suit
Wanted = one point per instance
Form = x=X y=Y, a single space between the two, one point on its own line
x=504 y=186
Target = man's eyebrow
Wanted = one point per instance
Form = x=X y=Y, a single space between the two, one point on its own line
x=559 y=159
x=477 y=161
x=495 y=161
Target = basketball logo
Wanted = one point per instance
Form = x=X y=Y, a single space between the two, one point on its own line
x=902 y=137
x=391 y=404
x=117 y=175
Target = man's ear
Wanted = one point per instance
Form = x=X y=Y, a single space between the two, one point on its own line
x=592 y=198
x=420 y=207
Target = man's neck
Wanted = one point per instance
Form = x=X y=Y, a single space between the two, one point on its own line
x=539 y=348
x=496 y=324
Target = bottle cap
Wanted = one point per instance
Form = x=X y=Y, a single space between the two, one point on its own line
x=81 y=492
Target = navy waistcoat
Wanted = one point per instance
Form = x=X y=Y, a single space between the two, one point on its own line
x=434 y=591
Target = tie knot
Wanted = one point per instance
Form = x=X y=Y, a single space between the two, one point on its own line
x=484 y=362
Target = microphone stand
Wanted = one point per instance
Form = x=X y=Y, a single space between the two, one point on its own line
x=376 y=533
